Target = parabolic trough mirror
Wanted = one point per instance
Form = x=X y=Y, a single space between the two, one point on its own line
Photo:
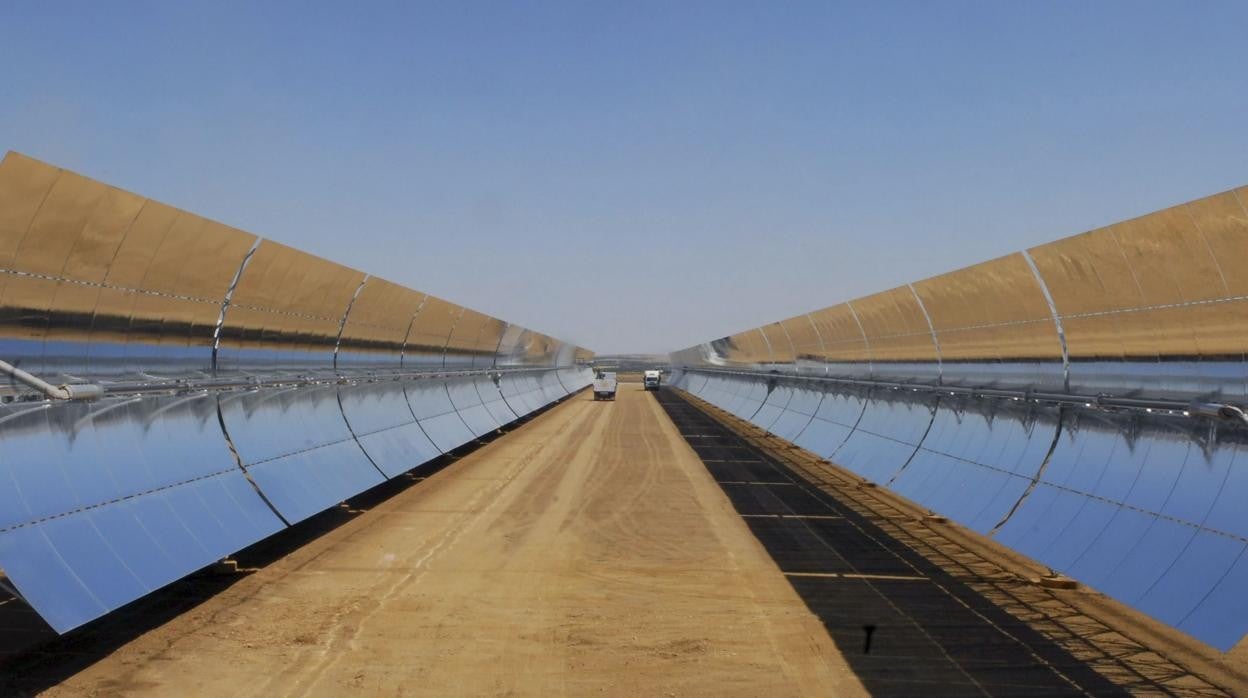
x=1079 y=402
x=178 y=389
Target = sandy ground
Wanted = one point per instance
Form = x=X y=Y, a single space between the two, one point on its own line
x=587 y=552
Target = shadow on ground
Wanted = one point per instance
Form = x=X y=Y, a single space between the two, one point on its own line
x=904 y=625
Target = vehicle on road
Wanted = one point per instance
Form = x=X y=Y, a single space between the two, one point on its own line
x=651 y=379
x=604 y=385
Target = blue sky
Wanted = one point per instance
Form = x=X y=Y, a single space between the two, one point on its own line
x=640 y=176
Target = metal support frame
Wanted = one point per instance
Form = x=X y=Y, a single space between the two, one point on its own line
x=1103 y=401
x=182 y=385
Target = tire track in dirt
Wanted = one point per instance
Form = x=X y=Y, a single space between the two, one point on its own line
x=351 y=623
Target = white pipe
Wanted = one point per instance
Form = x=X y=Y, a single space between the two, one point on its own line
x=62 y=392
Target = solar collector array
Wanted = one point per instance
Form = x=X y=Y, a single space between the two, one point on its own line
x=1144 y=506
x=106 y=502
x=358 y=380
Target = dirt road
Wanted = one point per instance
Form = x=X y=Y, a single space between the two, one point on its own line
x=586 y=552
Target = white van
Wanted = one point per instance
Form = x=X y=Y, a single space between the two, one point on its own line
x=651 y=380
x=604 y=385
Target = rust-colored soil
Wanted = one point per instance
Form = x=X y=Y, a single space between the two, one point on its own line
x=587 y=552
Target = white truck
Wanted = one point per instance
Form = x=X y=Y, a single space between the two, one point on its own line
x=651 y=380
x=604 y=385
